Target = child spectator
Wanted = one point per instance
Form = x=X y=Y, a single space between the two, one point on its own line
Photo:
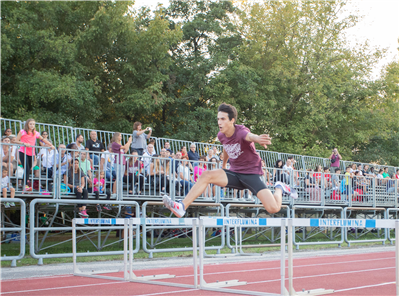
x=318 y=173
x=75 y=180
x=278 y=175
x=139 y=137
x=133 y=172
x=44 y=134
x=99 y=188
x=6 y=155
x=185 y=178
x=64 y=158
x=327 y=177
x=27 y=137
x=183 y=151
x=6 y=186
x=312 y=188
x=120 y=160
x=148 y=158
x=47 y=158
x=107 y=164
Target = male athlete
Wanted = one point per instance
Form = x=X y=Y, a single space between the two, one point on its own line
x=245 y=167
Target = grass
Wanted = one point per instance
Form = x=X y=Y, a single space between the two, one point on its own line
x=85 y=245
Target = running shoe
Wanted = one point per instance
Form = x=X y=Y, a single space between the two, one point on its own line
x=177 y=208
x=107 y=207
x=98 y=207
x=83 y=214
x=287 y=189
x=12 y=204
x=6 y=205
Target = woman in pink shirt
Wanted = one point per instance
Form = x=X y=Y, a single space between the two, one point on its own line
x=27 y=138
x=198 y=172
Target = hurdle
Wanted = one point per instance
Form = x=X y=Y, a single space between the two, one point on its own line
x=284 y=224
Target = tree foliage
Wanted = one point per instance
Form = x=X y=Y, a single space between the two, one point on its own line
x=286 y=66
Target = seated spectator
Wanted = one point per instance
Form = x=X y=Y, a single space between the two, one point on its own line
x=99 y=188
x=6 y=187
x=44 y=135
x=73 y=154
x=14 y=152
x=78 y=142
x=278 y=174
x=288 y=170
x=183 y=151
x=327 y=178
x=7 y=132
x=158 y=171
x=385 y=174
x=185 y=178
x=6 y=155
x=193 y=155
x=215 y=152
x=75 y=180
x=62 y=157
x=318 y=174
x=371 y=172
x=147 y=159
x=312 y=187
x=167 y=147
x=210 y=155
x=47 y=158
x=134 y=173
x=107 y=164
x=140 y=138
x=175 y=163
x=85 y=165
x=93 y=144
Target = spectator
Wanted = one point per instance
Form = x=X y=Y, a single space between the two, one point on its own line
x=147 y=159
x=44 y=134
x=14 y=151
x=288 y=170
x=183 y=151
x=139 y=137
x=380 y=174
x=78 y=142
x=353 y=168
x=311 y=187
x=215 y=152
x=167 y=147
x=335 y=179
x=6 y=186
x=397 y=174
x=6 y=155
x=176 y=162
x=47 y=158
x=192 y=155
x=158 y=171
x=85 y=165
x=371 y=172
x=152 y=142
x=185 y=178
x=27 y=137
x=107 y=164
x=278 y=175
x=93 y=144
x=133 y=173
x=365 y=171
x=99 y=187
x=198 y=172
x=215 y=164
x=62 y=157
x=385 y=174
x=335 y=157
x=7 y=132
x=327 y=178
x=76 y=182
x=120 y=161
x=317 y=174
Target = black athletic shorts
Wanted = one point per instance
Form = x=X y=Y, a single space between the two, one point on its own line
x=239 y=181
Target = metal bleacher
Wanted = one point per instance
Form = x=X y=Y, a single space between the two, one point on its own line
x=373 y=198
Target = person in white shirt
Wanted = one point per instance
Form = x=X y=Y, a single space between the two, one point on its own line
x=147 y=158
x=47 y=159
x=5 y=186
x=185 y=178
x=107 y=164
x=62 y=157
x=6 y=154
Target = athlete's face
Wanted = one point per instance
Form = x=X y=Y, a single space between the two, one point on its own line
x=225 y=124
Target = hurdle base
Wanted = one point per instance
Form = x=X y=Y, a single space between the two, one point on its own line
x=221 y=284
x=152 y=277
x=313 y=292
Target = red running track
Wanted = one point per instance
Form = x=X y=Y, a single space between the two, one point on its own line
x=363 y=274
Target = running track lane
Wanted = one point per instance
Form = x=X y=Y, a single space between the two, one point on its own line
x=363 y=274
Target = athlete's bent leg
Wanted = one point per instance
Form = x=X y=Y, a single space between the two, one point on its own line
x=216 y=177
x=271 y=202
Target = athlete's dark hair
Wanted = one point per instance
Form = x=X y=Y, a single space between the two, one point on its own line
x=230 y=110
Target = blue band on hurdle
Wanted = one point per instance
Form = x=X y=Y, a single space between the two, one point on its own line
x=219 y=222
x=263 y=221
x=370 y=223
x=314 y=222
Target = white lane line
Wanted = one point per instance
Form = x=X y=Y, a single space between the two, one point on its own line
x=364 y=287
x=65 y=287
x=278 y=267
x=321 y=275
x=39 y=277
x=170 y=292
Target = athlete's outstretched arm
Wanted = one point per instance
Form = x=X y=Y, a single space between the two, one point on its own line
x=263 y=140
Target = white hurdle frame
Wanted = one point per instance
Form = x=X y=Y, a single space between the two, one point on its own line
x=201 y=223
